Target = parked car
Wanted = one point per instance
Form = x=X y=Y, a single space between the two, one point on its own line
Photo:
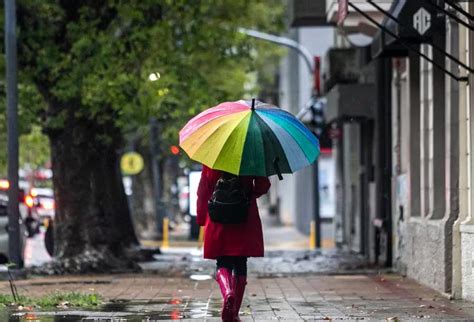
x=4 y=186
x=40 y=203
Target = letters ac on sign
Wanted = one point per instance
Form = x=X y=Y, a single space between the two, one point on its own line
x=422 y=21
x=131 y=163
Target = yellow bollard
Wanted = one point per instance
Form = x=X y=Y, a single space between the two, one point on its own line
x=166 y=242
x=312 y=235
x=201 y=237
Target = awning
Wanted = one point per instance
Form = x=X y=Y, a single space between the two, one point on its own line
x=412 y=22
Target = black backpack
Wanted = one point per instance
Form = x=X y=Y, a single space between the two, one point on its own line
x=229 y=203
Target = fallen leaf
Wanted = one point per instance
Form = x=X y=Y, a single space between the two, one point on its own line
x=63 y=305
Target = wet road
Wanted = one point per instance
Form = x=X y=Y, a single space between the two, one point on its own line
x=35 y=251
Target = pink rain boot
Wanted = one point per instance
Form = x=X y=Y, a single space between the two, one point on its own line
x=224 y=279
x=238 y=283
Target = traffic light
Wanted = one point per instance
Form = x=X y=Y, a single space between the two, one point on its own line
x=174 y=149
x=317 y=122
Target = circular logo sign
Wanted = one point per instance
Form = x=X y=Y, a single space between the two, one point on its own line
x=131 y=163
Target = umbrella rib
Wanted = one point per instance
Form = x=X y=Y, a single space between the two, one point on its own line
x=297 y=124
x=239 y=152
x=252 y=154
x=298 y=141
x=189 y=129
x=275 y=146
x=210 y=159
x=296 y=156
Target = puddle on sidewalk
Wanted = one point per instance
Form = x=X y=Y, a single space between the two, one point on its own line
x=125 y=310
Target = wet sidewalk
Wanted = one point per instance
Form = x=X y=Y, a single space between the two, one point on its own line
x=151 y=297
x=184 y=262
x=295 y=284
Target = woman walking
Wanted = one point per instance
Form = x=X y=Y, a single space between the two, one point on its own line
x=231 y=244
x=250 y=141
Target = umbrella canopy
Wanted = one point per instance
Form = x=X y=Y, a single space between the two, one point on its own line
x=249 y=138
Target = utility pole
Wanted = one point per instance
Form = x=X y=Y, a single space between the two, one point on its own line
x=14 y=249
x=317 y=112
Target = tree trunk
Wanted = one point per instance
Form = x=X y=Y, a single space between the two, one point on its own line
x=93 y=228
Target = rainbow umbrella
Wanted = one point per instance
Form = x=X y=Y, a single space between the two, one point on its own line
x=249 y=138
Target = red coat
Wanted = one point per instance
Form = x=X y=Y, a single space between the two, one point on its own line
x=231 y=240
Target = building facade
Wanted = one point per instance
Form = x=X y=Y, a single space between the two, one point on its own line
x=405 y=183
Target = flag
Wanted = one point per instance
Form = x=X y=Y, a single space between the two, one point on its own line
x=342 y=11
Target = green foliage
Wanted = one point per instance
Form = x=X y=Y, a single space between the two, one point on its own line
x=93 y=58
x=34 y=145
x=34 y=148
x=61 y=299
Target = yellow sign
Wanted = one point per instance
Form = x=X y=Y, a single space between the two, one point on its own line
x=131 y=163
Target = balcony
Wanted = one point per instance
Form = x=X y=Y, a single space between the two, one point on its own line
x=345 y=66
x=350 y=100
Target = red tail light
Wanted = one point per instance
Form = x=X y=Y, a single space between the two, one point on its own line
x=29 y=201
x=4 y=184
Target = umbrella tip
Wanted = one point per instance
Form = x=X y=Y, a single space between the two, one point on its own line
x=253 y=104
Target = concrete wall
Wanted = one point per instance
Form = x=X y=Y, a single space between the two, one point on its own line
x=467 y=263
x=422 y=252
x=464 y=182
x=467 y=165
x=425 y=241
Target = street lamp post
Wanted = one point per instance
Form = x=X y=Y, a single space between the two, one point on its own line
x=14 y=249
x=154 y=151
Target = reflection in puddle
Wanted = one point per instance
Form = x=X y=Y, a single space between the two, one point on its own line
x=197 y=277
x=175 y=301
x=176 y=315
x=125 y=310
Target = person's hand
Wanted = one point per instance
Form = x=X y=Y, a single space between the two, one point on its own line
x=261 y=187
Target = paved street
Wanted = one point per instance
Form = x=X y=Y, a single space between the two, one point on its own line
x=35 y=251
